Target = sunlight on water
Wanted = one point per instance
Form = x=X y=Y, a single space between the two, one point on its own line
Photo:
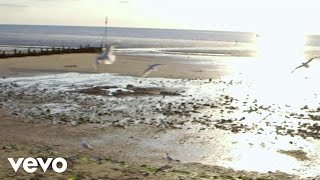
x=285 y=46
x=270 y=72
x=259 y=152
x=267 y=78
x=264 y=160
x=278 y=52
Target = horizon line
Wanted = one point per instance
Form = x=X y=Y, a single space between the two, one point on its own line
x=183 y=29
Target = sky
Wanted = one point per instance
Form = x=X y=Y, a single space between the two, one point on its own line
x=234 y=15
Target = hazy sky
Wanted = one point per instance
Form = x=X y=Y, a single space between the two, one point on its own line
x=238 y=15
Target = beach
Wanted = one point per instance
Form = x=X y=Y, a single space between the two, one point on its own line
x=106 y=161
x=125 y=65
x=214 y=124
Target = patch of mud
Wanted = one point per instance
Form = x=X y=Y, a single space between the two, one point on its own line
x=298 y=154
x=130 y=90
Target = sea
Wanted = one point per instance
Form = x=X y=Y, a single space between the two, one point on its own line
x=142 y=41
x=139 y=41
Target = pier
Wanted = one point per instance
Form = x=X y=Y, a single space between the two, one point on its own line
x=36 y=51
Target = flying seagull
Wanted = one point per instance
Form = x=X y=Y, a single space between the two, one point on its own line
x=105 y=57
x=152 y=67
x=305 y=64
x=85 y=145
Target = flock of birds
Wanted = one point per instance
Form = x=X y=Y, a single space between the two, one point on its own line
x=107 y=57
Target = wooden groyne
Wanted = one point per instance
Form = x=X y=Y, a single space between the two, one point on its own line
x=47 y=51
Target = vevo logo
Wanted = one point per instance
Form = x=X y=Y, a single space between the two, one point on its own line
x=30 y=165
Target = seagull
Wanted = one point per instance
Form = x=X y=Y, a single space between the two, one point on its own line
x=305 y=64
x=152 y=67
x=85 y=145
x=106 y=57
x=168 y=157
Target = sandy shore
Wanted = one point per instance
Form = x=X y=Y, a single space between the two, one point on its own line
x=124 y=65
x=19 y=138
x=206 y=124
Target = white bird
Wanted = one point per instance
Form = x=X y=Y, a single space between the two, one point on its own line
x=85 y=145
x=105 y=57
x=305 y=64
x=152 y=67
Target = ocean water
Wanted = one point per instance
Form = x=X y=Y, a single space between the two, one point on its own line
x=35 y=35
x=144 y=41
x=129 y=40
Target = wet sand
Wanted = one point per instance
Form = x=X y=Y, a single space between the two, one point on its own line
x=132 y=122
x=111 y=160
x=124 y=65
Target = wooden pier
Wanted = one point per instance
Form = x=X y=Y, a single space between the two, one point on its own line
x=47 y=51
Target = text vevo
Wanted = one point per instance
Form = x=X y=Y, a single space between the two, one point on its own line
x=30 y=165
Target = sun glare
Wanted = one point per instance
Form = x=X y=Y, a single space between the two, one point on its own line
x=281 y=47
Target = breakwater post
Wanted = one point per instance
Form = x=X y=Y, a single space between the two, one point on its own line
x=47 y=51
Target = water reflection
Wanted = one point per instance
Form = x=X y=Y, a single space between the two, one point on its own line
x=266 y=80
x=269 y=73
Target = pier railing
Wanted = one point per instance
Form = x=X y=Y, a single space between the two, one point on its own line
x=36 y=51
